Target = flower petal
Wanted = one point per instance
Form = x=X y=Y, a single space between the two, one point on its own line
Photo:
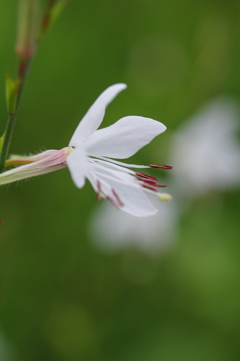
x=95 y=114
x=79 y=166
x=134 y=200
x=124 y=138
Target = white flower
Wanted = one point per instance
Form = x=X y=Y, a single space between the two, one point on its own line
x=89 y=154
x=93 y=149
x=111 y=230
x=205 y=152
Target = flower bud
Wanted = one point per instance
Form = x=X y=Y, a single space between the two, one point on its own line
x=42 y=163
x=28 y=27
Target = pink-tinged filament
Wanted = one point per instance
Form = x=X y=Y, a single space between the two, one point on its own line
x=113 y=201
x=116 y=201
x=99 y=194
x=117 y=197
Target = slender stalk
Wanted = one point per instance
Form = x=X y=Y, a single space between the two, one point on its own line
x=12 y=118
x=25 y=49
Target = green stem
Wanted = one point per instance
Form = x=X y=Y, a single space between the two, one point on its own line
x=23 y=72
x=12 y=119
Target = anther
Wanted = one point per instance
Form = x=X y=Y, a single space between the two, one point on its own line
x=155 y=184
x=149 y=187
x=160 y=166
x=145 y=176
x=165 y=197
x=151 y=182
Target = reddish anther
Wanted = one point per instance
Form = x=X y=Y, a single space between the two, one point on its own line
x=145 y=176
x=155 y=184
x=151 y=182
x=149 y=187
x=160 y=166
x=160 y=185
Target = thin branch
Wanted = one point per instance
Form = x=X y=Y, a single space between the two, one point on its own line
x=23 y=72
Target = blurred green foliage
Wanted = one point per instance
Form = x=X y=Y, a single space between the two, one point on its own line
x=61 y=300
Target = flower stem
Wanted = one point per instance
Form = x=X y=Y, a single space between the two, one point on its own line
x=25 y=49
x=23 y=72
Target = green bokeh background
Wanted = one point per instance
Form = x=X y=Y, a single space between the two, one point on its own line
x=62 y=300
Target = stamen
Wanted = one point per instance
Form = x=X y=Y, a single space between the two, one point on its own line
x=153 y=183
x=139 y=180
x=113 y=202
x=144 y=185
x=165 y=197
x=160 y=166
x=145 y=176
x=117 y=197
x=99 y=193
x=126 y=165
x=160 y=185
x=103 y=164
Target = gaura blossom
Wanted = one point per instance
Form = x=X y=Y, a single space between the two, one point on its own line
x=205 y=151
x=150 y=235
x=89 y=156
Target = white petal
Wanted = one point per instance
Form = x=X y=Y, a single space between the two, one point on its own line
x=134 y=200
x=79 y=166
x=93 y=118
x=124 y=138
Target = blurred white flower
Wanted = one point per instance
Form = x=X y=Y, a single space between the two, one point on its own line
x=89 y=154
x=111 y=230
x=205 y=153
